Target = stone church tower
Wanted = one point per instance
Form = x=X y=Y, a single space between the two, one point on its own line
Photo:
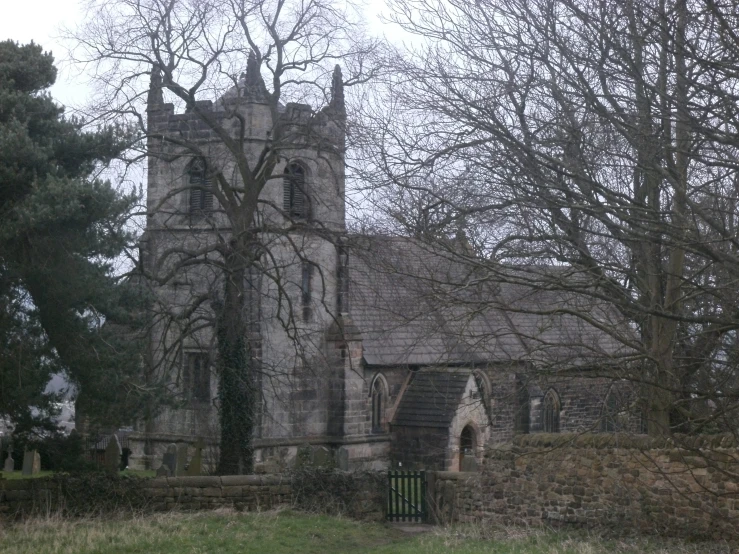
x=295 y=289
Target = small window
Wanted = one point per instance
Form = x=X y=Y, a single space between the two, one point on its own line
x=342 y=281
x=201 y=195
x=467 y=445
x=253 y=299
x=609 y=420
x=482 y=392
x=523 y=409
x=305 y=289
x=551 y=410
x=643 y=419
x=197 y=376
x=294 y=198
x=378 y=402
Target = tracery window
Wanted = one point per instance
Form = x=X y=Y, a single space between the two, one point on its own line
x=551 y=409
x=197 y=376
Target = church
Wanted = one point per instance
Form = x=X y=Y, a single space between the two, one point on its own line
x=372 y=351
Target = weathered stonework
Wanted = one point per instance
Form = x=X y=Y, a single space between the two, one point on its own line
x=358 y=495
x=371 y=315
x=653 y=490
x=311 y=389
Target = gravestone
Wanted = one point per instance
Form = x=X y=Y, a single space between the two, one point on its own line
x=342 y=459
x=170 y=459
x=469 y=463
x=196 y=463
x=31 y=462
x=302 y=457
x=9 y=463
x=181 y=460
x=112 y=459
x=322 y=457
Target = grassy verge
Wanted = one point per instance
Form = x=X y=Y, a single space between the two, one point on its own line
x=289 y=532
x=19 y=474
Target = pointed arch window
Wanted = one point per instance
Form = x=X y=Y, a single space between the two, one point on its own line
x=305 y=289
x=378 y=404
x=643 y=418
x=197 y=376
x=467 y=445
x=201 y=193
x=294 y=197
x=523 y=408
x=342 y=278
x=551 y=409
x=481 y=385
x=609 y=420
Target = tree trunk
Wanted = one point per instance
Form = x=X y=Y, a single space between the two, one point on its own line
x=236 y=386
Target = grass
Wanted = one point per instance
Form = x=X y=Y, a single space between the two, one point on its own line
x=139 y=473
x=125 y=472
x=19 y=475
x=289 y=532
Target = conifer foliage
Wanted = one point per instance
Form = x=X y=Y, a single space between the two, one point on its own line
x=60 y=231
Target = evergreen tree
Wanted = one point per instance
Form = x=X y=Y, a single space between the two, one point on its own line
x=60 y=231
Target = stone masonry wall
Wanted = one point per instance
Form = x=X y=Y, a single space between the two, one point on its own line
x=360 y=495
x=598 y=481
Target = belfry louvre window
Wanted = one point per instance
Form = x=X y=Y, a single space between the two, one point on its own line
x=294 y=199
x=201 y=195
x=197 y=376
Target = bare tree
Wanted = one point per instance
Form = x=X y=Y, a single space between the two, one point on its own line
x=219 y=164
x=598 y=144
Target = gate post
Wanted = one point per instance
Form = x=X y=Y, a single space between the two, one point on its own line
x=431 y=511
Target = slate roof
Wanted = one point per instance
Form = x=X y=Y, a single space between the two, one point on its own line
x=415 y=305
x=432 y=398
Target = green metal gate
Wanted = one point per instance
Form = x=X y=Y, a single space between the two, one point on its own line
x=406 y=496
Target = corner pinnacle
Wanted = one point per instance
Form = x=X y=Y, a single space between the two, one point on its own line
x=337 y=90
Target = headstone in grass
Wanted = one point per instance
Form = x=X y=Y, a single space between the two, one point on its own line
x=170 y=459
x=31 y=462
x=342 y=459
x=196 y=463
x=469 y=463
x=113 y=455
x=181 y=460
x=322 y=457
x=9 y=463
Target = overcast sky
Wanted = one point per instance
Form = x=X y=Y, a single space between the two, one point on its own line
x=40 y=21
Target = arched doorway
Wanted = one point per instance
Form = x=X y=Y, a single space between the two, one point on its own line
x=467 y=444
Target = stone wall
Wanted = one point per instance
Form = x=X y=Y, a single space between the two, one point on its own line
x=360 y=495
x=597 y=481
